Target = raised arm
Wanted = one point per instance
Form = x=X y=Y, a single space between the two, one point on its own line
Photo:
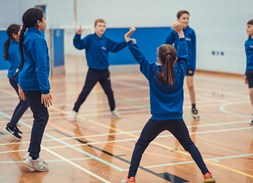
x=182 y=50
x=78 y=42
x=145 y=67
x=171 y=37
x=116 y=46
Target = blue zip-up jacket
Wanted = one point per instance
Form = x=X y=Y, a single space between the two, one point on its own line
x=97 y=49
x=190 y=38
x=35 y=72
x=13 y=58
x=249 y=54
x=166 y=101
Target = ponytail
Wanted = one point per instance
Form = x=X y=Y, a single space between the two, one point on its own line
x=168 y=70
x=6 y=48
x=12 y=29
x=167 y=56
x=21 y=42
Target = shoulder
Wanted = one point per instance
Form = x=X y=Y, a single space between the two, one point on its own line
x=191 y=30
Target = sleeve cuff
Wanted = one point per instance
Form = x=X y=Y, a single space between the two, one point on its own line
x=130 y=43
x=182 y=39
x=45 y=92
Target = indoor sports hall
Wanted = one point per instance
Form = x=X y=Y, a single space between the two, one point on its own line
x=96 y=145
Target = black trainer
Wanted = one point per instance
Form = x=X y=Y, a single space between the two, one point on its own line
x=13 y=131
x=19 y=130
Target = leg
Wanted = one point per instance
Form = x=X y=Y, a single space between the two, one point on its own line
x=249 y=77
x=90 y=82
x=180 y=131
x=148 y=134
x=40 y=115
x=251 y=95
x=190 y=85
x=20 y=108
x=105 y=83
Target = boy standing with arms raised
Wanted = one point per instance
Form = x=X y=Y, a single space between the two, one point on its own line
x=97 y=47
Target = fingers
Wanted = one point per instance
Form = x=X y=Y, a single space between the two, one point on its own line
x=129 y=33
x=46 y=100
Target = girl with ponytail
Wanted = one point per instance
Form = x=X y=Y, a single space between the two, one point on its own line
x=11 y=54
x=33 y=79
x=166 y=82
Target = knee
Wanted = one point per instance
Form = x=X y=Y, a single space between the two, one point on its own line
x=190 y=86
x=251 y=91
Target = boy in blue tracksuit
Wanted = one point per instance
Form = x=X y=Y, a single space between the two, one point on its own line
x=190 y=37
x=166 y=82
x=11 y=54
x=249 y=61
x=97 y=47
x=34 y=81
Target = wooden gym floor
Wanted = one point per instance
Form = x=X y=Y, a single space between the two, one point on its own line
x=98 y=148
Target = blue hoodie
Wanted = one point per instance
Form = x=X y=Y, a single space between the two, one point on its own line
x=190 y=38
x=35 y=72
x=166 y=101
x=97 y=49
x=249 y=54
x=13 y=58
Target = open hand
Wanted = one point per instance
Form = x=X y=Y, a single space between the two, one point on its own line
x=46 y=99
x=129 y=33
x=21 y=94
x=178 y=27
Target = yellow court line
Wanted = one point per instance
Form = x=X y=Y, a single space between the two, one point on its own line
x=158 y=144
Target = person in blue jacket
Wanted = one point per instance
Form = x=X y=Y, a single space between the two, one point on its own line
x=190 y=37
x=97 y=47
x=34 y=81
x=11 y=54
x=249 y=61
x=166 y=80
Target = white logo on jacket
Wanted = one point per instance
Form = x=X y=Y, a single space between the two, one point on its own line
x=103 y=48
x=251 y=46
x=188 y=39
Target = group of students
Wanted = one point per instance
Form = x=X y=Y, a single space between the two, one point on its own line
x=26 y=49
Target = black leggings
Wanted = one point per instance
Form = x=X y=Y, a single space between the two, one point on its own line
x=94 y=76
x=152 y=129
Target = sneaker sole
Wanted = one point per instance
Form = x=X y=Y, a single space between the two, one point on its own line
x=34 y=169
x=12 y=134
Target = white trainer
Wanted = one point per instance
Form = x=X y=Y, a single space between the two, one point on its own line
x=73 y=115
x=39 y=164
x=26 y=156
x=116 y=114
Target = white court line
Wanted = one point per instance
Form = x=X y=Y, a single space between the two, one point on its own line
x=134 y=139
x=54 y=160
x=222 y=108
x=132 y=132
x=75 y=148
x=189 y=162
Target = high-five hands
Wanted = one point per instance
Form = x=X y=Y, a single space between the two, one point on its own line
x=178 y=27
x=129 y=33
x=79 y=30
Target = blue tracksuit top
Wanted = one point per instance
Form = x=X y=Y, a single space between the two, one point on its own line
x=249 y=54
x=35 y=72
x=190 y=38
x=166 y=101
x=13 y=58
x=97 y=49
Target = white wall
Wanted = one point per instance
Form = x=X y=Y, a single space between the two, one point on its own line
x=219 y=25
